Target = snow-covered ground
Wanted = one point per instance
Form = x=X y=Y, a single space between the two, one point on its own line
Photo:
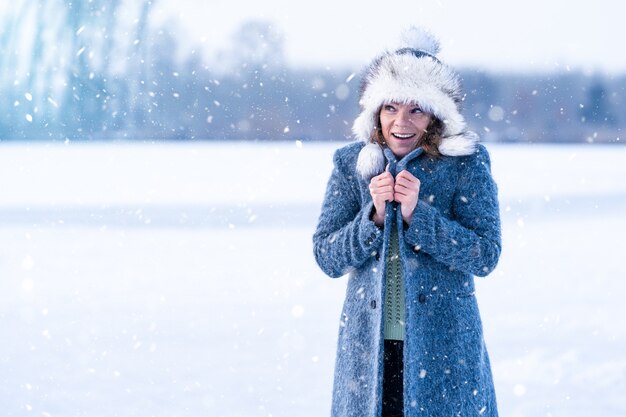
x=178 y=280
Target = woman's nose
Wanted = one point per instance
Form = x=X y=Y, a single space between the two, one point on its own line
x=402 y=117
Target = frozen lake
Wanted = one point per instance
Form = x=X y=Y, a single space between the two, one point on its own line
x=178 y=280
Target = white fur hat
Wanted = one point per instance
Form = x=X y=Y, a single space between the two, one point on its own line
x=413 y=74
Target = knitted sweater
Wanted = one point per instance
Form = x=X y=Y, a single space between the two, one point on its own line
x=394 y=295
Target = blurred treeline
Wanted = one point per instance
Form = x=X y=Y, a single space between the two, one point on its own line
x=102 y=70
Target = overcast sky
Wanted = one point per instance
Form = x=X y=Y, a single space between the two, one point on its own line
x=530 y=35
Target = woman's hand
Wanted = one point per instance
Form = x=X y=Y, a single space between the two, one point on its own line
x=381 y=190
x=406 y=192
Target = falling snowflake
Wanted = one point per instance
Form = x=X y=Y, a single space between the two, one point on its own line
x=519 y=390
x=297 y=311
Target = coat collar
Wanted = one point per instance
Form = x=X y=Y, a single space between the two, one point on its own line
x=396 y=165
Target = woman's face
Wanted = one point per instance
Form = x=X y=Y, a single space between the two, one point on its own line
x=402 y=126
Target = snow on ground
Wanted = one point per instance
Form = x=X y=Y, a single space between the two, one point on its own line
x=178 y=280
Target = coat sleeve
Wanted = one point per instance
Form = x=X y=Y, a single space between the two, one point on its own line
x=345 y=236
x=471 y=240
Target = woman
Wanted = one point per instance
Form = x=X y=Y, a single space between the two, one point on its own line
x=411 y=214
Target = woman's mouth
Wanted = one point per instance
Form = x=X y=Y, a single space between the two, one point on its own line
x=403 y=135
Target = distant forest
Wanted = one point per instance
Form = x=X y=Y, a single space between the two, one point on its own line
x=99 y=70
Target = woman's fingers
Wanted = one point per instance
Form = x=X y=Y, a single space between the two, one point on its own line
x=406 y=174
x=385 y=195
x=382 y=183
x=407 y=179
x=407 y=189
x=384 y=178
x=381 y=188
x=384 y=187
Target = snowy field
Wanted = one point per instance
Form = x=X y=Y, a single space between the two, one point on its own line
x=178 y=280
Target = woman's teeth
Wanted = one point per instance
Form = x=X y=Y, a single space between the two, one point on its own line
x=403 y=135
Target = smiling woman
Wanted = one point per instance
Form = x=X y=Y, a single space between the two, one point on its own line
x=411 y=214
x=402 y=127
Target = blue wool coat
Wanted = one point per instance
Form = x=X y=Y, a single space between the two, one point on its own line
x=453 y=236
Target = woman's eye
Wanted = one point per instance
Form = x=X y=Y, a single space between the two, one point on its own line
x=389 y=107
x=417 y=110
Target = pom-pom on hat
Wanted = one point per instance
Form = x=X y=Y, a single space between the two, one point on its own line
x=412 y=73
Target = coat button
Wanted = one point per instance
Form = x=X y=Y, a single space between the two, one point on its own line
x=421 y=298
x=373 y=303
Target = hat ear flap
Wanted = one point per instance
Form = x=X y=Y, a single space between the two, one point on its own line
x=363 y=126
x=462 y=144
x=371 y=161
